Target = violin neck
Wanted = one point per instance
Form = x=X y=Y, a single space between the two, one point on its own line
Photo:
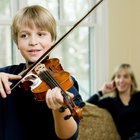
x=49 y=79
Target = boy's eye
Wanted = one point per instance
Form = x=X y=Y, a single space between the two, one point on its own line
x=41 y=34
x=23 y=35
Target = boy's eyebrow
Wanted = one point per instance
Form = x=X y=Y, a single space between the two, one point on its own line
x=23 y=31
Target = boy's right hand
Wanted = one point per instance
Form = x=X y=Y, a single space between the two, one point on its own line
x=5 y=83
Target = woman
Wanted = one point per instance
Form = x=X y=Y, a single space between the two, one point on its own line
x=124 y=106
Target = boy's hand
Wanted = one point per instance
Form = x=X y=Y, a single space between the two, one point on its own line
x=54 y=98
x=5 y=83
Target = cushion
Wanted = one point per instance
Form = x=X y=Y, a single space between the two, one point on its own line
x=97 y=124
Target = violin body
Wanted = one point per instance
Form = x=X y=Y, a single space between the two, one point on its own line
x=48 y=75
x=38 y=86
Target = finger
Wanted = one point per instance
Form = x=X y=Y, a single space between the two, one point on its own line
x=70 y=94
x=49 y=99
x=2 y=91
x=114 y=83
x=58 y=98
x=54 y=99
x=13 y=77
x=6 y=85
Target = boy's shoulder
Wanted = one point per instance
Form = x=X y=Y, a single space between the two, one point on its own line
x=13 y=69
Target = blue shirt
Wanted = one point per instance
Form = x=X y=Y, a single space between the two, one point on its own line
x=24 y=118
x=126 y=117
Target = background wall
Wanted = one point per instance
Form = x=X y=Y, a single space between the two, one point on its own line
x=124 y=34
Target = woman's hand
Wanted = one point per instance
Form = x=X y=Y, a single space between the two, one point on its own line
x=108 y=87
x=5 y=83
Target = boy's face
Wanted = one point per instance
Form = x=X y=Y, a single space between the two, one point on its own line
x=33 y=43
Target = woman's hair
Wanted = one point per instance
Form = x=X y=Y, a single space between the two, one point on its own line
x=128 y=68
x=34 y=15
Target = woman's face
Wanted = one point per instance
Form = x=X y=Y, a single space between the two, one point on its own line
x=33 y=43
x=123 y=81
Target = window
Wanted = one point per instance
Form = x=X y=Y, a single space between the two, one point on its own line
x=76 y=52
x=5 y=38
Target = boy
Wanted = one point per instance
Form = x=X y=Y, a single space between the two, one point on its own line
x=21 y=116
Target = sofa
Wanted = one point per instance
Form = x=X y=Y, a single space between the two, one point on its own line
x=97 y=124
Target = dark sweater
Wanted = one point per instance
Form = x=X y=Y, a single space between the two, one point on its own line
x=126 y=118
x=24 y=118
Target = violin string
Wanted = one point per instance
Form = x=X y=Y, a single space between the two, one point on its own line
x=47 y=77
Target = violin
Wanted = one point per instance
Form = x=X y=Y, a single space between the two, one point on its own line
x=48 y=73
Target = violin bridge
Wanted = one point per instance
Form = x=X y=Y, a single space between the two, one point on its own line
x=41 y=67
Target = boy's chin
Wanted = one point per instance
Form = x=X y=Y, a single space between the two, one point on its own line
x=30 y=62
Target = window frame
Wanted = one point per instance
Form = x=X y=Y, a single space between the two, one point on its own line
x=98 y=42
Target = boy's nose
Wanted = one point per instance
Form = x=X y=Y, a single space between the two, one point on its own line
x=33 y=44
x=33 y=41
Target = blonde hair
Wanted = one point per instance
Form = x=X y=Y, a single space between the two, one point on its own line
x=129 y=70
x=37 y=15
